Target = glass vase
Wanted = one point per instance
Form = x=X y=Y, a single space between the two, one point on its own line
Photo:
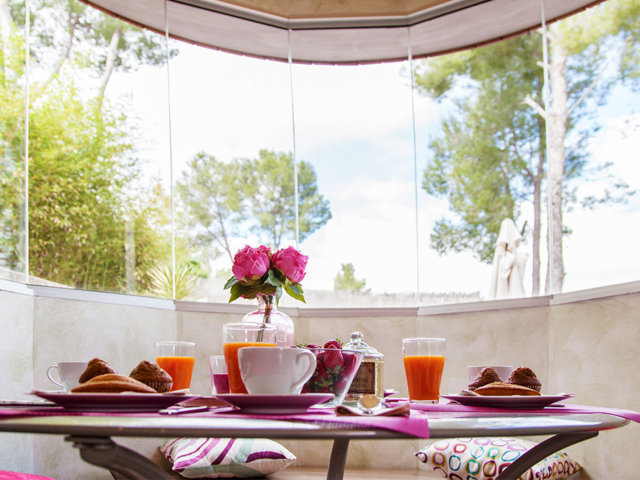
x=268 y=312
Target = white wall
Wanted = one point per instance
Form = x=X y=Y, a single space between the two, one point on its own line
x=585 y=346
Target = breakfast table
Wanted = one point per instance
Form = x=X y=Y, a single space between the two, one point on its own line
x=92 y=432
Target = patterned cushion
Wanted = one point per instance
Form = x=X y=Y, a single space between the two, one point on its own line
x=485 y=458
x=226 y=457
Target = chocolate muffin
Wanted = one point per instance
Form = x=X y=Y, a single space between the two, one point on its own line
x=525 y=377
x=95 y=367
x=484 y=376
x=152 y=375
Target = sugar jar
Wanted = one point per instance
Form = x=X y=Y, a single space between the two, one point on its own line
x=369 y=378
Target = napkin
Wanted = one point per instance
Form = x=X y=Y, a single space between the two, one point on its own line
x=399 y=410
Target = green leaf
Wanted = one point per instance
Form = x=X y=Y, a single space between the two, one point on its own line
x=231 y=282
x=236 y=291
x=273 y=279
x=295 y=291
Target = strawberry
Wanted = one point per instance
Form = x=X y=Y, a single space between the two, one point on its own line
x=349 y=362
x=333 y=344
x=333 y=359
x=313 y=345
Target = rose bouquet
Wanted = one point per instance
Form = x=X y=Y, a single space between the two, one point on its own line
x=258 y=271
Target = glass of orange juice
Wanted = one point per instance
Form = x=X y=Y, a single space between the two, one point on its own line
x=177 y=359
x=238 y=335
x=423 y=364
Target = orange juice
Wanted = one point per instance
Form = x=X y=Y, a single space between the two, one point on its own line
x=230 y=350
x=179 y=368
x=423 y=376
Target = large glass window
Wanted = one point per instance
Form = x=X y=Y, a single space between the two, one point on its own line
x=99 y=186
x=13 y=44
x=152 y=162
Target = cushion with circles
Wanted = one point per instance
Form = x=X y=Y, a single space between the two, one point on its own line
x=485 y=458
x=226 y=457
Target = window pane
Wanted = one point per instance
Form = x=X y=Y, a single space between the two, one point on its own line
x=232 y=152
x=353 y=127
x=12 y=145
x=99 y=190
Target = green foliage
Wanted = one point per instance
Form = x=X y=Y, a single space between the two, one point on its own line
x=211 y=202
x=89 y=220
x=220 y=201
x=490 y=156
x=484 y=162
x=270 y=192
x=346 y=279
x=162 y=281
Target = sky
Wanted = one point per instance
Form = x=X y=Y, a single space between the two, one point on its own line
x=354 y=125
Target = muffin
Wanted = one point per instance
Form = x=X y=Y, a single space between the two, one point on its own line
x=112 y=383
x=152 y=375
x=505 y=389
x=525 y=377
x=484 y=376
x=95 y=367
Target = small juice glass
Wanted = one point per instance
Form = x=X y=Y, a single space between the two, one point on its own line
x=219 y=376
x=177 y=359
x=238 y=335
x=423 y=364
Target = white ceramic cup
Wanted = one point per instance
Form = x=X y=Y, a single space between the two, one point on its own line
x=276 y=370
x=67 y=374
x=503 y=371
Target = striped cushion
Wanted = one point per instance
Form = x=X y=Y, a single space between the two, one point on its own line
x=226 y=457
x=4 y=475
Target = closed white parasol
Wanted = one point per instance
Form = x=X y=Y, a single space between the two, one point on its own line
x=508 y=264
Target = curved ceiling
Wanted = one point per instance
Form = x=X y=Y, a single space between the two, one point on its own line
x=340 y=31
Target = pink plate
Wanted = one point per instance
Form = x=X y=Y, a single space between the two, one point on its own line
x=513 y=401
x=275 y=404
x=112 y=402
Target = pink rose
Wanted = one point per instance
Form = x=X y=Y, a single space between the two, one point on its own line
x=291 y=263
x=251 y=263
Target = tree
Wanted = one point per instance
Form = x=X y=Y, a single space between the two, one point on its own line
x=211 y=198
x=82 y=168
x=68 y=32
x=346 y=279
x=270 y=191
x=491 y=155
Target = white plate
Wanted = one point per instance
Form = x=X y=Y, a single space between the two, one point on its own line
x=513 y=401
x=275 y=404
x=111 y=402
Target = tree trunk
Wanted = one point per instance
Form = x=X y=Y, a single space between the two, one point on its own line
x=557 y=131
x=110 y=64
x=72 y=24
x=537 y=221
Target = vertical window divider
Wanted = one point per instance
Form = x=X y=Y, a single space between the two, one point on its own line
x=171 y=189
x=27 y=55
x=546 y=103
x=415 y=168
x=293 y=140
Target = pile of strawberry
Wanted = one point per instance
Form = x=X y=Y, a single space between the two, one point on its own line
x=334 y=368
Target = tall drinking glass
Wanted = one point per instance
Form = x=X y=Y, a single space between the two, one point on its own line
x=423 y=364
x=238 y=335
x=177 y=359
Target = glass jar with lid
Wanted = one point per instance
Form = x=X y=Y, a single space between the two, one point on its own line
x=369 y=378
